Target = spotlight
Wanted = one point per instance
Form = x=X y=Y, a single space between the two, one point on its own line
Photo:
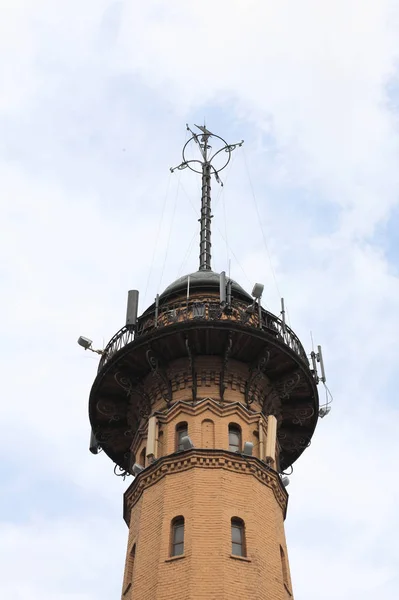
x=84 y=342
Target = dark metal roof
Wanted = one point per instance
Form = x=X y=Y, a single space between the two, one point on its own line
x=203 y=281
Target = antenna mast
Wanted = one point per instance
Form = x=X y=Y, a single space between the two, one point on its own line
x=204 y=166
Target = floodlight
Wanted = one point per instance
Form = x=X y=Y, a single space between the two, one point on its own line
x=285 y=481
x=248 y=447
x=187 y=443
x=258 y=290
x=84 y=342
x=137 y=469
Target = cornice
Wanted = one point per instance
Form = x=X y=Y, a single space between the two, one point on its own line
x=208 y=459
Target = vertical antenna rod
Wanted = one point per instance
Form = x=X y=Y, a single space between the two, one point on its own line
x=203 y=165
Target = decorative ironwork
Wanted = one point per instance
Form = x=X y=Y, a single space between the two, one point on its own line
x=256 y=372
x=125 y=383
x=192 y=368
x=285 y=386
x=293 y=442
x=160 y=372
x=110 y=409
x=123 y=473
x=135 y=388
x=225 y=360
x=204 y=166
x=299 y=415
x=180 y=312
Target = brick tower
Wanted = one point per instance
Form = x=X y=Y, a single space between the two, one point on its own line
x=206 y=398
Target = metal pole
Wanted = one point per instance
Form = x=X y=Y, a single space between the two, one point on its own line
x=205 y=236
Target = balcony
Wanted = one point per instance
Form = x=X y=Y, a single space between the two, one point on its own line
x=204 y=310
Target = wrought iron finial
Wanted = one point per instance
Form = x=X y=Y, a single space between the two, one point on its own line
x=203 y=165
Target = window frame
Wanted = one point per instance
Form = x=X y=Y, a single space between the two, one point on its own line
x=235 y=429
x=181 y=428
x=177 y=524
x=238 y=524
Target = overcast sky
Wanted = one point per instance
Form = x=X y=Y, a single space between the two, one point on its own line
x=94 y=98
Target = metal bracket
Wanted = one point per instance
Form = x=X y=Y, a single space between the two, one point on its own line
x=256 y=371
x=225 y=360
x=158 y=370
x=192 y=368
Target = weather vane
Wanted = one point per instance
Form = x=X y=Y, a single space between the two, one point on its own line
x=203 y=165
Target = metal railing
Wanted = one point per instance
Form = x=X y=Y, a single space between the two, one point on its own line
x=204 y=310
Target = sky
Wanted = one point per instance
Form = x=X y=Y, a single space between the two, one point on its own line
x=94 y=99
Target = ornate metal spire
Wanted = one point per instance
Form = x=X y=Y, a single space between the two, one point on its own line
x=203 y=165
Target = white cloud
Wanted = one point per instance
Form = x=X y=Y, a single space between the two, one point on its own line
x=93 y=101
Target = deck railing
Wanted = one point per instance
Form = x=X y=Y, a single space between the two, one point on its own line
x=206 y=310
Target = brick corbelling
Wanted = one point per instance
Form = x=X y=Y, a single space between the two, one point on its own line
x=214 y=459
x=218 y=408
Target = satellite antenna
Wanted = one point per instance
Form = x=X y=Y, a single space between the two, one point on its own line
x=205 y=167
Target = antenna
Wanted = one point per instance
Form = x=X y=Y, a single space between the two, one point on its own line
x=156 y=309
x=203 y=165
x=313 y=356
x=132 y=307
x=222 y=286
x=229 y=292
x=320 y=360
x=283 y=315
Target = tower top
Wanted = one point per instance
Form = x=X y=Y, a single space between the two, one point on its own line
x=205 y=166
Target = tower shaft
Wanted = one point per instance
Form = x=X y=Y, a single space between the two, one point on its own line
x=229 y=507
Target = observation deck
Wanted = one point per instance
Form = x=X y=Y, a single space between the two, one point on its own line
x=181 y=328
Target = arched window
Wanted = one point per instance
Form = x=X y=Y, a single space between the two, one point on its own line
x=181 y=432
x=234 y=438
x=238 y=545
x=177 y=537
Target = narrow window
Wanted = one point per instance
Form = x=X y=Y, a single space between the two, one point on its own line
x=177 y=536
x=181 y=432
x=142 y=456
x=284 y=566
x=130 y=569
x=238 y=537
x=234 y=438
